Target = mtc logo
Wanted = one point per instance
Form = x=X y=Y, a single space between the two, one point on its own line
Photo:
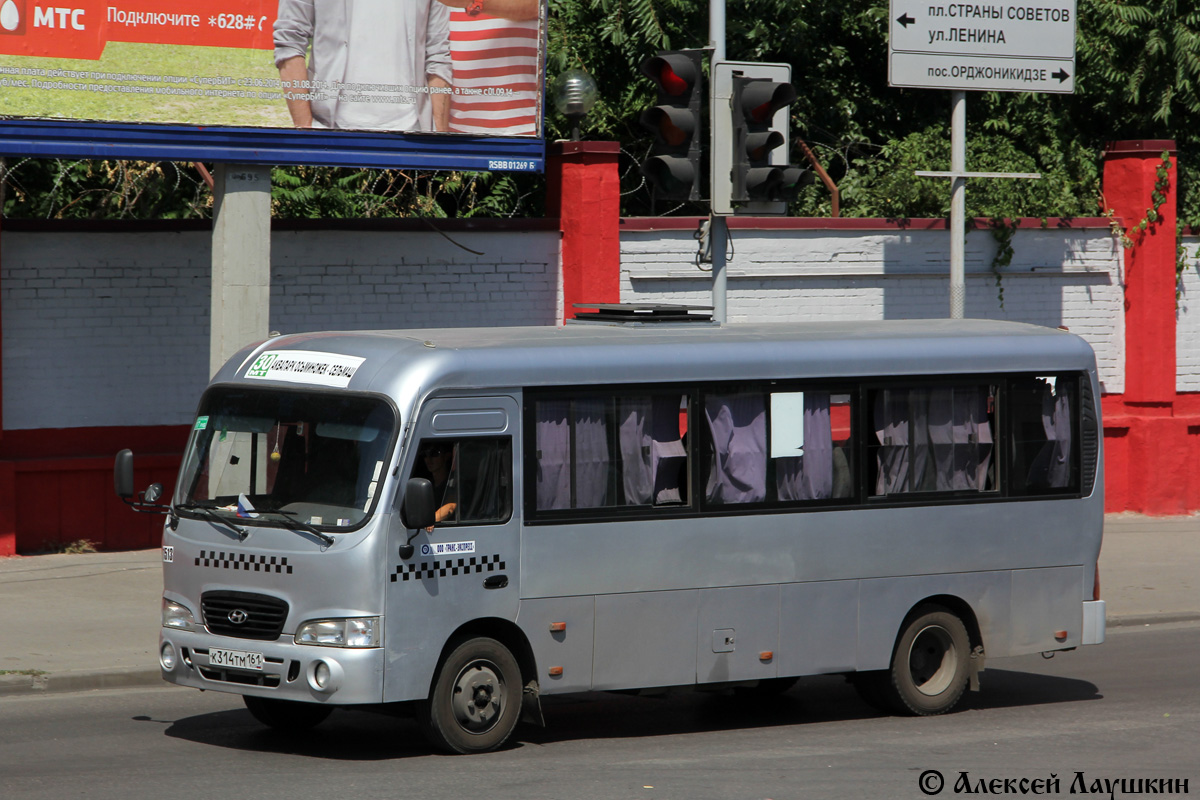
x=45 y=17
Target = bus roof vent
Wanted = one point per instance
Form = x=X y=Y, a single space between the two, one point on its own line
x=642 y=312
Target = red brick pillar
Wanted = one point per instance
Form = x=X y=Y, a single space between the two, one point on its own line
x=584 y=192
x=1149 y=452
x=1130 y=172
x=8 y=509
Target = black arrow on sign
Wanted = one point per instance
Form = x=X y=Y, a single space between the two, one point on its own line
x=905 y=20
x=1061 y=75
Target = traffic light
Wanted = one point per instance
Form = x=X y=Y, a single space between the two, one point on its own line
x=673 y=168
x=758 y=131
x=750 y=169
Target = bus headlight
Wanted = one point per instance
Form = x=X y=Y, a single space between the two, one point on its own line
x=351 y=632
x=176 y=615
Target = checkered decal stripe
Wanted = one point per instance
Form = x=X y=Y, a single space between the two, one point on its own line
x=441 y=569
x=243 y=561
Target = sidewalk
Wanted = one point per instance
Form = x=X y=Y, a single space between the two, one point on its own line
x=77 y=622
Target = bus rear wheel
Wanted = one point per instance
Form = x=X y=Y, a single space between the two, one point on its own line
x=286 y=715
x=930 y=666
x=476 y=699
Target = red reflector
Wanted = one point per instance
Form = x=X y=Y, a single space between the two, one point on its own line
x=766 y=655
x=555 y=672
x=1060 y=635
x=671 y=82
x=558 y=627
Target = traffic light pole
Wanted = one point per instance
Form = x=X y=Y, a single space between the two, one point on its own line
x=718 y=230
x=958 y=203
x=958 y=198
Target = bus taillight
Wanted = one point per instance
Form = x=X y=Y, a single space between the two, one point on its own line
x=1096 y=584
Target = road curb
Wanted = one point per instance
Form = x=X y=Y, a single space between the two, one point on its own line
x=80 y=681
x=1136 y=620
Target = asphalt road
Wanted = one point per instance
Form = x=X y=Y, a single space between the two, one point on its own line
x=1129 y=709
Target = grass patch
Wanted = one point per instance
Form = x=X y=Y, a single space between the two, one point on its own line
x=30 y=672
x=158 y=60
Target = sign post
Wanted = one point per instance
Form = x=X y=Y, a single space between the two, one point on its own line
x=996 y=47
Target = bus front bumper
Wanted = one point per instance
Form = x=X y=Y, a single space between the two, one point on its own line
x=280 y=669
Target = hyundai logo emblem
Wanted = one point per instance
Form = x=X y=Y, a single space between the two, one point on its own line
x=238 y=616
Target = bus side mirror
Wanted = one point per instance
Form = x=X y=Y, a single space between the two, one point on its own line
x=418 y=503
x=123 y=474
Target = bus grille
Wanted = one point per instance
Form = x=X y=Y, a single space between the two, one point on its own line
x=263 y=615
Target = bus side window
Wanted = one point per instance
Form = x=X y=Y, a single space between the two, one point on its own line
x=609 y=451
x=471 y=477
x=1043 y=412
x=737 y=427
x=933 y=439
x=811 y=445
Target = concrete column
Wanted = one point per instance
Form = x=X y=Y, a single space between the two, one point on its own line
x=584 y=192
x=241 y=259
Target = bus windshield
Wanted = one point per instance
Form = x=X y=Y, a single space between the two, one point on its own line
x=315 y=458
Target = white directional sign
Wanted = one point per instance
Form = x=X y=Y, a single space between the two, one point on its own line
x=999 y=47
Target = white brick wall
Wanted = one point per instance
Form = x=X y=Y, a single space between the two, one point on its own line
x=1187 y=322
x=101 y=330
x=112 y=329
x=1057 y=277
x=108 y=329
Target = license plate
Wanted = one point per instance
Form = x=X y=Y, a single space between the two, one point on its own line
x=238 y=659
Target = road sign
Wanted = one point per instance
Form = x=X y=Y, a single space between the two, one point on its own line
x=998 y=46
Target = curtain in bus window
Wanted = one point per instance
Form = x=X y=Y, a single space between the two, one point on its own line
x=810 y=476
x=1056 y=420
x=961 y=437
x=901 y=425
x=553 y=442
x=739 y=433
x=591 y=460
x=652 y=453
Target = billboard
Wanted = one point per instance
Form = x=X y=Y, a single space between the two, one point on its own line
x=421 y=83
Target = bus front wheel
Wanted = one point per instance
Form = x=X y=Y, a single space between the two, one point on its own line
x=476 y=699
x=930 y=666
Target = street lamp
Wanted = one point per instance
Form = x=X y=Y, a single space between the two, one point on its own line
x=574 y=94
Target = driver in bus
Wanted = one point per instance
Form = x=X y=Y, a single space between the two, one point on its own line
x=438 y=460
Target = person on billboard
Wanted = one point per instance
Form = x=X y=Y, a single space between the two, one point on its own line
x=374 y=65
x=495 y=46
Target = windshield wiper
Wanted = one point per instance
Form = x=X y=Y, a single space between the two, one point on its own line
x=210 y=513
x=293 y=522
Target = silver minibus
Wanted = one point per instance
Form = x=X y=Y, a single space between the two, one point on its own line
x=456 y=522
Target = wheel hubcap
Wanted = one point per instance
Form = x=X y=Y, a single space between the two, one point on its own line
x=932 y=660
x=478 y=700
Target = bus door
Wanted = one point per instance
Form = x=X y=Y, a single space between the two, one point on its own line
x=466 y=567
